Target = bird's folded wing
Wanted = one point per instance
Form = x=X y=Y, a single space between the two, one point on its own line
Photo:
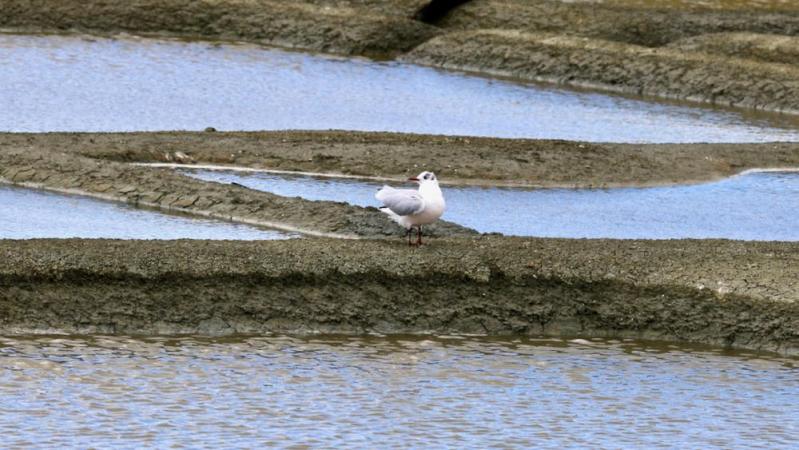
x=403 y=202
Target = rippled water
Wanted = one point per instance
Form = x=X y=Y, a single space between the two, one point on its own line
x=28 y=214
x=58 y=83
x=757 y=206
x=408 y=392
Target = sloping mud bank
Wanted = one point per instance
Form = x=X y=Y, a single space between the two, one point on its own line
x=320 y=27
x=617 y=67
x=462 y=160
x=168 y=190
x=763 y=47
x=618 y=47
x=720 y=292
x=649 y=23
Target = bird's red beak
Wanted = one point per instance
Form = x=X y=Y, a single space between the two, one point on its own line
x=413 y=179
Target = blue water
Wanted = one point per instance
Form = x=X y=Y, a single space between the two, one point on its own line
x=397 y=392
x=28 y=214
x=68 y=83
x=757 y=206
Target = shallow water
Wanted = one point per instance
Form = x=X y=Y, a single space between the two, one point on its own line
x=756 y=206
x=28 y=214
x=69 y=83
x=410 y=392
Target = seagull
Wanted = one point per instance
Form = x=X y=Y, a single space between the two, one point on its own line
x=411 y=208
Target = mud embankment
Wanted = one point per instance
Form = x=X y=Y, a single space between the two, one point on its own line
x=168 y=190
x=617 y=67
x=720 y=292
x=602 y=46
x=306 y=25
x=654 y=24
x=462 y=160
x=623 y=47
x=763 y=47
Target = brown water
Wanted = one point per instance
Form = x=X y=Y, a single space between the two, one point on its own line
x=399 y=392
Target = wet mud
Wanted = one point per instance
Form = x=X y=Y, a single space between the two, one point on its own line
x=739 y=294
x=458 y=160
x=616 y=67
x=651 y=23
x=736 y=294
x=168 y=190
x=618 y=46
x=318 y=26
x=624 y=47
x=763 y=47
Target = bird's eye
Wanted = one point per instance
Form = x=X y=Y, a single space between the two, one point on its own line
x=427 y=176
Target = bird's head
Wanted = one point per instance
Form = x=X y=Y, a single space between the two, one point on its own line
x=425 y=178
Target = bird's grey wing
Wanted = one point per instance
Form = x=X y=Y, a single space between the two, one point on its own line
x=403 y=202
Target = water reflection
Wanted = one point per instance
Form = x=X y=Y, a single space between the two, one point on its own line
x=58 y=83
x=28 y=214
x=757 y=206
x=378 y=392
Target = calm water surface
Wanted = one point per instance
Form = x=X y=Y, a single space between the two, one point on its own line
x=401 y=392
x=757 y=206
x=58 y=83
x=28 y=214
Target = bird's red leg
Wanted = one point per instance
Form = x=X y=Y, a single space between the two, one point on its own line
x=419 y=236
x=409 y=236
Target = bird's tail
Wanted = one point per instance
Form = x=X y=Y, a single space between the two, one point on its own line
x=394 y=216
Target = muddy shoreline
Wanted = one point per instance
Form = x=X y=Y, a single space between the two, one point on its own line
x=647 y=23
x=736 y=294
x=458 y=160
x=169 y=190
x=302 y=25
x=731 y=293
x=740 y=57
x=616 y=67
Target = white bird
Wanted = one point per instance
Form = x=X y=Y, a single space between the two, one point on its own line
x=411 y=208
